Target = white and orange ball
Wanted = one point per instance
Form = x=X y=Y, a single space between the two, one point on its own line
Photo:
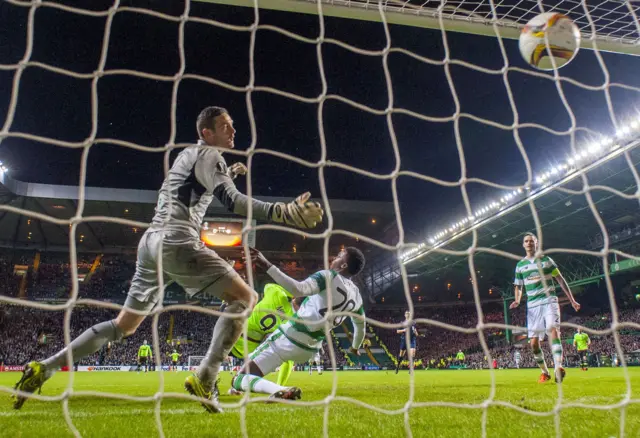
x=563 y=37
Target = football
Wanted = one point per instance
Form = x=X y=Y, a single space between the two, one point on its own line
x=562 y=35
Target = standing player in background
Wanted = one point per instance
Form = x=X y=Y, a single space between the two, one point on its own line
x=144 y=356
x=411 y=334
x=536 y=277
x=299 y=341
x=581 y=342
x=174 y=360
x=516 y=357
x=317 y=360
x=264 y=321
x=198 y=174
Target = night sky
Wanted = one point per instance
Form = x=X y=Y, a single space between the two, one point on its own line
x=138 y=110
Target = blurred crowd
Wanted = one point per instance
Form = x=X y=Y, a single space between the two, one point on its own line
x=35 y=333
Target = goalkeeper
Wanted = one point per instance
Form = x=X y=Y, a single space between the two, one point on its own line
x=262 y=322
x=198 y=174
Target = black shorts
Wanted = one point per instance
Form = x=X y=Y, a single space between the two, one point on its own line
x=143 y=360
x=175 y=364
x=403 y=344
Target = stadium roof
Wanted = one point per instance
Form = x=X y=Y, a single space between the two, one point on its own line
x=567 y=222
x=97 y=235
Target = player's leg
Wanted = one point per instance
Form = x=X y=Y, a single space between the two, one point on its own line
x=536 y=333
x=401 y=353
x=227 y=329
x=142 y=298
x=285 y=371
x=89 y=342
x=552 y=323
x=275 y=350
x=200 y=271
x=411 y=354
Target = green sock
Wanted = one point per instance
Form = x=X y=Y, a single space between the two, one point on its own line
x=285 y=371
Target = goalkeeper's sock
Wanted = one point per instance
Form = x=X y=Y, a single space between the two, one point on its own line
x=556 y=350
x=285 y=371
x=538 y=355
x=225 y=334
x=92 y=340
x=249 y=382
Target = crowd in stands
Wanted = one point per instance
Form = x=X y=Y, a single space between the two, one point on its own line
x=24 y=326
x=438 y=346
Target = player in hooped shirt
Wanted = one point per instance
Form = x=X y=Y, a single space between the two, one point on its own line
x=327 y=290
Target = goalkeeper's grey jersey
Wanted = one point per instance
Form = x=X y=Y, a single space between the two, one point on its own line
x=197 y=175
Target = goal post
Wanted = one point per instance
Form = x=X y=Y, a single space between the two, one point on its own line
x=194 y=361
x=473 y=17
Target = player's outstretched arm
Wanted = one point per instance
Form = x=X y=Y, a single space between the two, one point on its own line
x=296 y=288
x=211 y=171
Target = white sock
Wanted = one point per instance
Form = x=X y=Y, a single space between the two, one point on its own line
x=249 y=382
x=556 y=350
x=539 y=357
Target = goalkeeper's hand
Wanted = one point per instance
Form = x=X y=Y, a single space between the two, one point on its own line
x=298 y=213
x=236 y=169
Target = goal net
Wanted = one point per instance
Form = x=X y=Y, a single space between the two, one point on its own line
x=427 y=106
x=194 y=362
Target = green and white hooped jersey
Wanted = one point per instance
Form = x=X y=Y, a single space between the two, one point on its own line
x=345 y=297
x=528 y=277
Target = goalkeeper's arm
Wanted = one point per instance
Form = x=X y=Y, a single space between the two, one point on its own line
x=211 y=172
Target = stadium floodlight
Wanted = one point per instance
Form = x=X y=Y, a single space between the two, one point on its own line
x=594 y=148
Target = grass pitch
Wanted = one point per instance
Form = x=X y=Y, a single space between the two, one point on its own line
x=109 y=417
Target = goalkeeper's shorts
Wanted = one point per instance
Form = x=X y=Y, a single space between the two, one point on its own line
x=198 y=269
x=277 y=349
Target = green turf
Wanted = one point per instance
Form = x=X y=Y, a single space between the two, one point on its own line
x=100 y=417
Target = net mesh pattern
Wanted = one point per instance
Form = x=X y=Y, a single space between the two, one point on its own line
x=610 y=19
x=605 y=20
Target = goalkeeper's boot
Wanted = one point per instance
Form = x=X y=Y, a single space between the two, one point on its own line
x=560 y=373
x=544 y=377
x=33 y=377
x=194 y=386
x=293 y=393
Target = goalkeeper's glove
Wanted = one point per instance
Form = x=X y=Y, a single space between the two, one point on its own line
x=298 y=213
x=236 y=169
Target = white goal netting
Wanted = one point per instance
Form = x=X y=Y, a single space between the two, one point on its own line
x=606 y=26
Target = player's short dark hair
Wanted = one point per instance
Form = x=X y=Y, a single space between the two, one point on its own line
x=529 y=234
x=355 y=260
x=207 y=116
